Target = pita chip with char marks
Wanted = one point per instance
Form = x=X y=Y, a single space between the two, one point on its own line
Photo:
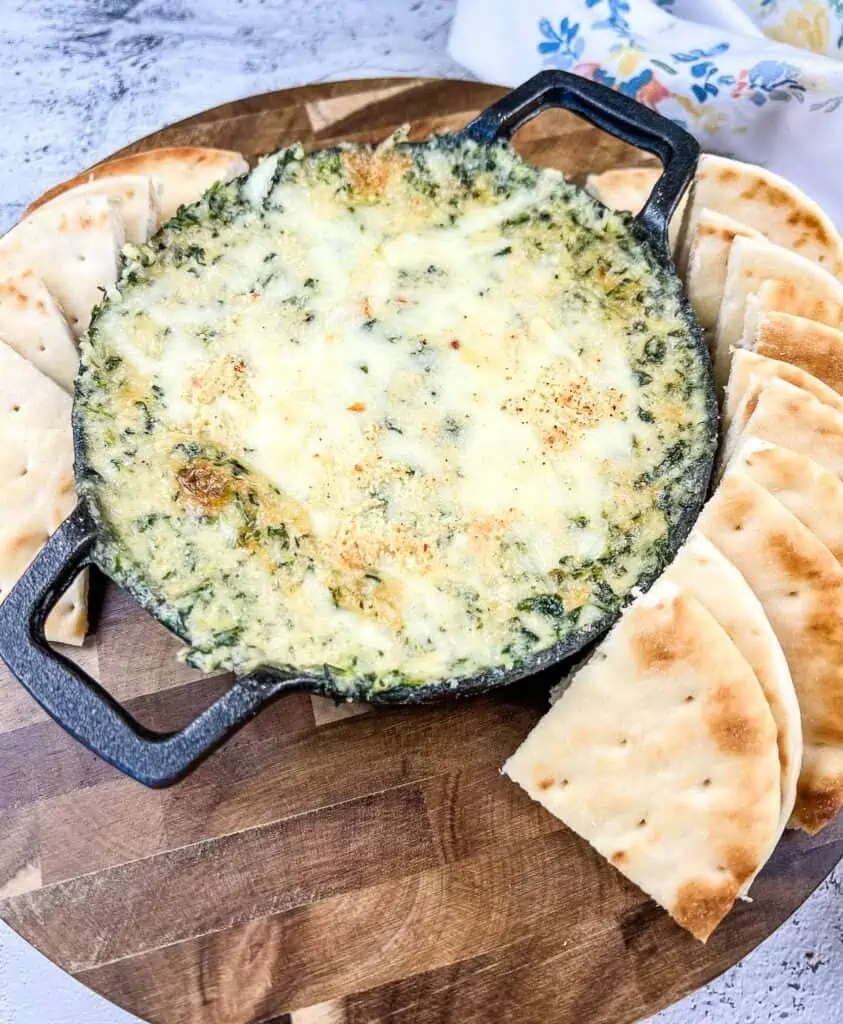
x=752 y=261
x=799 y=583
x=668 y=770
x=750 y=372
x=36 y=494
x=808 y=490
x=28 y=398
x=181 y=173
x=137 y=197
x=708 y=257
x=819 y=303
x=756 y=197
x=813 y=347
x=73 y=246
x=703 y=571
x=791 y=417
x=33 y=325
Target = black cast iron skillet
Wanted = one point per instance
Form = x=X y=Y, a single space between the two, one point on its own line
x=84 y=709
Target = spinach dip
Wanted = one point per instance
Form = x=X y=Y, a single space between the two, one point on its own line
x=391 y=415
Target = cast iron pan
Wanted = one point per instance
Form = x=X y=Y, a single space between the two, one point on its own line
x=79 y=703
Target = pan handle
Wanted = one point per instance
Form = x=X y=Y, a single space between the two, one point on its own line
x=80 y=705
x=614 y=113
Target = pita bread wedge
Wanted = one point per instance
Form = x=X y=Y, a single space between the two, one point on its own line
x=789 y=416
x=800 y=586
x=670 y=771
x=36 y=494
x=34 y=326
x=751 y=372
x=73 y=246
x=812 y=493
x=702 y=571
x=751 y=262
x=136 y=196
x=812 y=303
x=627 y=188
x=28 y=398
x=816 y=348
x=184 y=173
x=708 y=256
x=770 y=204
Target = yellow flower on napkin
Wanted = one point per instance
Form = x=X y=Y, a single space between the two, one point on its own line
x=808 y=27
x=628 y=61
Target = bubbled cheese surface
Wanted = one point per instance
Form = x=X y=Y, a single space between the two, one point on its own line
x=392 y=415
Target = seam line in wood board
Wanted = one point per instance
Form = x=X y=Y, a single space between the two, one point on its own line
x=440 y=869
x=227 y=835
x=602 y=926
x=584 y=937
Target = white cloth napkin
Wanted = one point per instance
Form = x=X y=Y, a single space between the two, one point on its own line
x=716 y=66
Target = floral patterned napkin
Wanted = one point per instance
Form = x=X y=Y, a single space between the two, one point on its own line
x=760 y=80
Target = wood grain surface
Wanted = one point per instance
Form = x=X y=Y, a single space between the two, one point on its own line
x=340 y=865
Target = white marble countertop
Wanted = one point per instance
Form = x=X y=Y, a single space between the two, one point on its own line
x=81 y=78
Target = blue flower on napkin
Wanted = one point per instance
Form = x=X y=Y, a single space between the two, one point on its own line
x=562 y=47
x=770 y=80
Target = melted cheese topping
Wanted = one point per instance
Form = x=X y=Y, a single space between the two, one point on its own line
x=393 y=415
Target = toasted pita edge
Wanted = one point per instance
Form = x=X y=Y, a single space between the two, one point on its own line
x=25 y=390
x=703 y=571
x=751 y=262
x=797 y=580
x=786 y=297
x=32 y=323
x=769 y=203
x=697 y=898
x=816 y=348
x=807 y=489
x=74 y=247
x=750 y=371
x=148 y=162
x=144 y=210
x=705 y=276
x=36 y=494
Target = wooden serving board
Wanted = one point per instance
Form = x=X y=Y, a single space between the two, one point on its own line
x=340 y=864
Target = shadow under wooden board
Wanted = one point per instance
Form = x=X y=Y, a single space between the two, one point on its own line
x=338 y=864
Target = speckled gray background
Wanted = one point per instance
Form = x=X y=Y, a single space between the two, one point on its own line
x=79 y=79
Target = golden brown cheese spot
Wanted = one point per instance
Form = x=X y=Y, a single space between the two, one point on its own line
x=205 y=485
x=545 y=782
x=730 y=726
x=372 y=173
x=701 y=905
x=373 y=597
